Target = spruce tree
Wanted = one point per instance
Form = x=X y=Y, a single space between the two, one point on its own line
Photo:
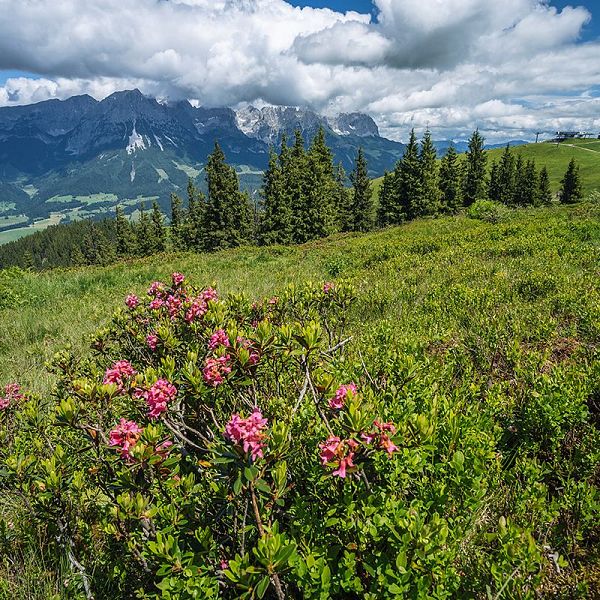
x=177 y=223
x=144 y=242
x=428 y=201
x=361 y=212
x=193 y=233
x=530 y=184
x=475 y=186
x=294 y=166
x=494 y=189
x=159 y=232
x=519 y=198
x=408 y=180
x=343 y=201
x=506 y=177
x=451 y=181
x=544 y=193
x=228 y=216
x=571 y=190
x=387 y=213
x=275 y=224
x=124 y=234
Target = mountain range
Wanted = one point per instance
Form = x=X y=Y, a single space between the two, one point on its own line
x=74 y=158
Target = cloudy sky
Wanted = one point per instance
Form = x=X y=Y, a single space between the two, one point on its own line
x=509 y=67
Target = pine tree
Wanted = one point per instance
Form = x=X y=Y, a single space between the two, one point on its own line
x=544 y=193
x=361 y=212
x=193 y=233
x=124 y=244
x=506 y=177
x=342 y=200
x=386 y=209
x=177 y=223
x=494 y=189
x=475 y=187
x=408 y=180
x=451 y=181
x=159 y=232
x=144 y=244
x=275 y=224
x=428 y=201
x=228 y=216
x=571 y=190
x=293 y=163
x=530 y=184
x=519 y=198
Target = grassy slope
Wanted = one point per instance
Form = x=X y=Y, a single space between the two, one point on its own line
x=406 y=265
x=556 y=158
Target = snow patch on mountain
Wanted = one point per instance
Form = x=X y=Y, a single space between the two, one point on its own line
x=136 y=142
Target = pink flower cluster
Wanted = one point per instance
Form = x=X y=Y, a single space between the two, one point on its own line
x=12 y=392
x=177 y=279
x=219 y=338
x=132 y=301
x=342 y=452
x=157 y=288
x=119 y=374
x=248 y=433
x=341 y=395
x=125 y=436
x=215 y=370
x=328 y=287
x=199 y=306
x=158 y=397
x=152 y=341
x=247 y=344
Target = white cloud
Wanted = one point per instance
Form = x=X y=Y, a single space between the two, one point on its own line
x=513 y=65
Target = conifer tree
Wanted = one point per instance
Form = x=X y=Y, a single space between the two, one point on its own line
x=544 y=193
x=159 y=232
x=143 y=234
x=342 y=200
x=506 y=177
x=275 y=226
x=387 y=213
x=124 y=234
x=293 y=163
x=428 y=201
x=571 y=190
x=361 y=212
x=228 y=216
x=494 y=189
x=408 y=180
x=530 y=184
x=451 y=181
x=475 y=186
x=177 y=223
x=193 y=235
x=519 y=198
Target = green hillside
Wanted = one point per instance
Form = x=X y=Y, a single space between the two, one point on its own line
x=555 y=157
x=485 y=338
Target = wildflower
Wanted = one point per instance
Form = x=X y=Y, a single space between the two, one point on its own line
x=152 y=341
x=156 y=289
x=328 y=287
x=245 y=343
x=329 y=449
x=158 y=396
x=12 y=392
x=386 y=444
x=132 y=301
x=173 y=304
x=273 y=301
x=345 y=463
x=177 y=279
x=216 y=369
x=197 y=310
x=385 y=426
x=156 y=304
x=125 y=435
x=118 y=374
x=224 y=565
x=341 y=395
x=209 y=294
x=249 y=433
x=219 y=338
x=368 y=437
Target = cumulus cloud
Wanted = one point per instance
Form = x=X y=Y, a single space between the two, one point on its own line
x=514 y=65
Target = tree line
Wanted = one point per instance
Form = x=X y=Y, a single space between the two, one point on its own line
x=304 y=196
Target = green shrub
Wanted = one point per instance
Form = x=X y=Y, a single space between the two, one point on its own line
x=488 y=211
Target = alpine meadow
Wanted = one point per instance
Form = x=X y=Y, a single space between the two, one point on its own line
x=299 y=300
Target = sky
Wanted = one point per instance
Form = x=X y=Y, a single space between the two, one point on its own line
x=509 y=67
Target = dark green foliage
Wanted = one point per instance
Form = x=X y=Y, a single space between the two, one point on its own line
x=193 y=234
x=362 y=195
x=475 y=186
x=451 y=181
x=409 y=184
x=388 y=212
x=343 y=197
x=544 y=193
x=157 y=228
x=530 y=184
x=228 y=216
x=519 y=197
x=571 y=190
x=494 y=189
x=177 y=221
x=124 y=233
x=144 y=241
x=428 y=202
x=506 y=177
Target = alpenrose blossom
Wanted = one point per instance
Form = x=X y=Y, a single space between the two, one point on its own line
x=125 y=436
x=120 y=373
x=328 y=287
x=380 y=438
x=219 y=338
x=247 y=344
x=341 y=395
x=248 y=433
x=215 y=370
x=152 y=341
x=156 y=289
x=132 y=301
x=340 y=453
x=158 y=397
x=12 y=392
x=177 y=279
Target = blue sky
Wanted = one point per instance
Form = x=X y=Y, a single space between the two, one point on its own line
x=509 y=67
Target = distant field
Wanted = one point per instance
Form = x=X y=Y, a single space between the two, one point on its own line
x=14 y=234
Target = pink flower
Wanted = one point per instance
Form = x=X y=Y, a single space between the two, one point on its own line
x=385 y=426
x=173 y=304
x=156 y=303
x=219 y=338
x=345 y=463
x=245 y=343
x=12 y=392
x=341 y=395
x=158 y=396
x=177 y=279
x=248 y=433
x=196 y=311
x=156 y=289
x=328 y=287
x=368 y=437
x=215 y=370
x=132 y=301
x=209 y=294
x=387 y=444
x=152 y=341
x=224 y=565
x=329 y=449
x=119 y=374
x=273 y=301
x=125 y=435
